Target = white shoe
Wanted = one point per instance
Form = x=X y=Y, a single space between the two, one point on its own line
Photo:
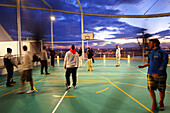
x=20 y=92
x=30 y=91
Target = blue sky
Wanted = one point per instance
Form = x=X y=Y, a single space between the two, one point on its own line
x=67 y=27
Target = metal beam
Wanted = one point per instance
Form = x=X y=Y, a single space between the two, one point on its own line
x=143 y=47
x=90 y=14
x=6 y=5
x=130 y=16
x=19 y=28
x=89 y=40
x=52 y=32
x=82 y=28
x=80 y=6
x=46 y=4
x=62 y=41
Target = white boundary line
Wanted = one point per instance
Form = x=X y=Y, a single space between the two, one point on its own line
x=62 y=97
x=60 y=101
x=85 y=63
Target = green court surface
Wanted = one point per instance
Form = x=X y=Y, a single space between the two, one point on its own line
x=107 y=89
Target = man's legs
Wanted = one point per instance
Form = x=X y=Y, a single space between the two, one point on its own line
x=162 y=95
x=42 y=66
x=91 y=67
x=22 y=86
x=161 y=103
x=80 y=61
x=74 y=76
x=32 y=87
x=46 y=66
x=118 y=61
x=153 y=97
x=52 y=61
x=88 y=61
x=31 y=84
x=68 y=77
x=9 y=76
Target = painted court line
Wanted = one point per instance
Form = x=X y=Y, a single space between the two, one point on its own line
x=128 y=95
x=85 y=63
x=60 y=101
x=20 y=88
x=136 y=69
x=103 y=90
x=62 y=98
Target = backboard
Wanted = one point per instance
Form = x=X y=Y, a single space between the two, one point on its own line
x=87 y=36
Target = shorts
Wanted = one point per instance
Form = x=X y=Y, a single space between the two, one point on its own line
x=26 y=75
x=155 y=83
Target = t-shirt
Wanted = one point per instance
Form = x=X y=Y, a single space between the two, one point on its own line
x=158 y=60
x=80 y=52
x=89 y=54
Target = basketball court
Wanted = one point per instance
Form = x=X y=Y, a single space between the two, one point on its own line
x=107 y=89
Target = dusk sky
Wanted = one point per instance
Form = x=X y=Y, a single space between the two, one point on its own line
x=67 y=27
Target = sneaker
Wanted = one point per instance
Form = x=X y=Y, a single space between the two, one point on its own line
x=10 y=85
x=13 y=82
x=30 y=91
x=92 y=70
x=88 y=70
x=74 y=87
x=117 y=65
x=42 y=73
x=161 y=106
x=68 y=87
x=47 y=73
x=20 y=92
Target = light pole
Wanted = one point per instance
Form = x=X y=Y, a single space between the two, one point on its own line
x=52 y=19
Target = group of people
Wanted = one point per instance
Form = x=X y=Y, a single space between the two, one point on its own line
x=156 y=76
x=27 y=66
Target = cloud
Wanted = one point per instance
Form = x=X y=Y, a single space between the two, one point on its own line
x=67 y=27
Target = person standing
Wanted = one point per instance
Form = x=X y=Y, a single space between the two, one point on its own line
x=117 y=55
x=92 y=54
x=80 y=57
x=27 y=70
x=44 y=60
x=35 y=59
x=89 y=59
x=156 y=76
x=9 y=63
x=71 y=63
x=52 y=54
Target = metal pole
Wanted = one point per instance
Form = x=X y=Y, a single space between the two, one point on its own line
x=143 y=47
x=51 y=31
x=87 y=43
x=82 y=31
x=41 y=45
x=19 y=28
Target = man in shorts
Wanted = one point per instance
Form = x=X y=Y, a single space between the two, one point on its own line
x=27 y=70
x=156 y=77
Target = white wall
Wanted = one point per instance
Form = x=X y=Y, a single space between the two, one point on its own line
x=14 y=45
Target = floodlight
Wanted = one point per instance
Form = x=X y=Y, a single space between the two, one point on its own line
x=52 y=18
